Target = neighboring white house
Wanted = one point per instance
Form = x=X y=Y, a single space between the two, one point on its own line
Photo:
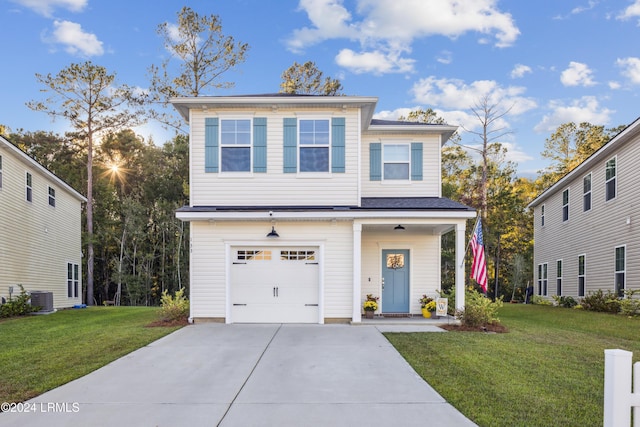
x=40 y=230
x=300 y=206
x=587 y=224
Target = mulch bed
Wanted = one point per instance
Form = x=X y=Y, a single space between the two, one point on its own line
x=496 y=328
x=168 y=323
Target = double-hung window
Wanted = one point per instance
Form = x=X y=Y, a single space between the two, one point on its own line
x=73 y=280
x=620 y=270
x=0 y=171
x=314 y=144
x=29 y=188
x=559 y=277
x=235 y=145
x=396 y=160
x=542 y=215
x=542 y=279
x=586 y=193
x=565 y=205
x=581 y=275
x=52 y=197
x=610 y=179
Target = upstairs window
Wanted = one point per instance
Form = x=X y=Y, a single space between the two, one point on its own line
x=586 y=193
x=610 y=179
x=52 y=197
x=396 y=160
x=314 y=143
x=29 y=189
x=542 y=215
x=565 y=205
x=235 y=145
x=0 y=171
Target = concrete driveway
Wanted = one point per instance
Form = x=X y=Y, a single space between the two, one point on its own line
x=249 y=375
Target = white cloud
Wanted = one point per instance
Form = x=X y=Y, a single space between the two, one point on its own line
x=376 y=62
x=75 y=40
x=614 y=85
x=445 y=57
x=578 y=74
x=520 y=70
x=390 y=26
x=632 y=11
x=630 y=68
x=454 y=94
x=585 y=109
x=46 y=7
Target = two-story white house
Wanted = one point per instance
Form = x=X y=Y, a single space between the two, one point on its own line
x=300 y=206
x=40 y=230
x=587 y=224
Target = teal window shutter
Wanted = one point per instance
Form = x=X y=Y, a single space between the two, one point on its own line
x=375 y=161
x=260 y=144
x=416 y=161
x=211 y=144
x=290 y=150
x=337 y=145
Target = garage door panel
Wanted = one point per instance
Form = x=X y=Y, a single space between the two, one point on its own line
x=275 y=285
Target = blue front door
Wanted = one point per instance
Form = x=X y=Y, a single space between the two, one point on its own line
x=395 y=281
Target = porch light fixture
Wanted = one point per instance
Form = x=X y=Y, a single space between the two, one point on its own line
x=273 y=232
x=398 y=228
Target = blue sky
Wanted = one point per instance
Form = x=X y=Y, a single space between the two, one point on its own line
x=548 y=61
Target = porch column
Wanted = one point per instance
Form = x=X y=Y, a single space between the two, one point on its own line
x=357 y=268
x=460 y=252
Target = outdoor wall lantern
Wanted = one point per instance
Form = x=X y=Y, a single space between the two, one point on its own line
x=398 y=228
x=273 y=232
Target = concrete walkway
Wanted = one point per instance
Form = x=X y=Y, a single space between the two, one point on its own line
x=250 y=375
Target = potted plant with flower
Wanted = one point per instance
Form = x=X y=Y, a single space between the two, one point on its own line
x=370 y=305
x=428 y=306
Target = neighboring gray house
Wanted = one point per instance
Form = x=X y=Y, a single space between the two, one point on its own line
x=40 y=229
x=300 y=206
x=587 y=224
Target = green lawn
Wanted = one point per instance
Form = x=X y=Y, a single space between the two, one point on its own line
x=38 y=353
x=547 y=370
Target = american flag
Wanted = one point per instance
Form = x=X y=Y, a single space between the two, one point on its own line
x=479 y=264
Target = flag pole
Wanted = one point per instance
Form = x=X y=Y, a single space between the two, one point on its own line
x=469 y=242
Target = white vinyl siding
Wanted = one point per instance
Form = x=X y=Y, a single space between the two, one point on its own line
x=0 y=172
x=274 y=187
x=38 y=241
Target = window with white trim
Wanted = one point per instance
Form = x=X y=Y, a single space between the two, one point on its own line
x=253 y=255
x=235 y=145
x=314 y=145
x=559 y=277
x=396 y=162
x=73 y=280
x=542 y=279
x=586 y=193
x=298 y=255
x=542 y=215
x=621 y=262
x=610 y=179
x=52 y=197
x=582 y=277
x=565 y=205
x=0 y=172
x=29 y=189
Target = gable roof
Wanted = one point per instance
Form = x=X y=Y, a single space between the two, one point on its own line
x=627 y=135
x=5 y=144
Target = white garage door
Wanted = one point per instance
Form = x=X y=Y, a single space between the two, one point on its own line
x=274 y=285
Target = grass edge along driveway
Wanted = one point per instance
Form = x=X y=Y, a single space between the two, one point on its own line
x=39 y=353
x=547 y=370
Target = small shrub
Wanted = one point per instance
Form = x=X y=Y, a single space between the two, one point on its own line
x=603 y=302
x=630 y=305
x=18 y=306
x=479 y=310
x=174 y=308
x=537 y=299
x=565 y=301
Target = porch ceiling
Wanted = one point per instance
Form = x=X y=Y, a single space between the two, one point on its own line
x=409 y=229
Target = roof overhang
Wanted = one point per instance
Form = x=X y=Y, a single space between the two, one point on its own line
x=367 y=105
x=413 y=129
